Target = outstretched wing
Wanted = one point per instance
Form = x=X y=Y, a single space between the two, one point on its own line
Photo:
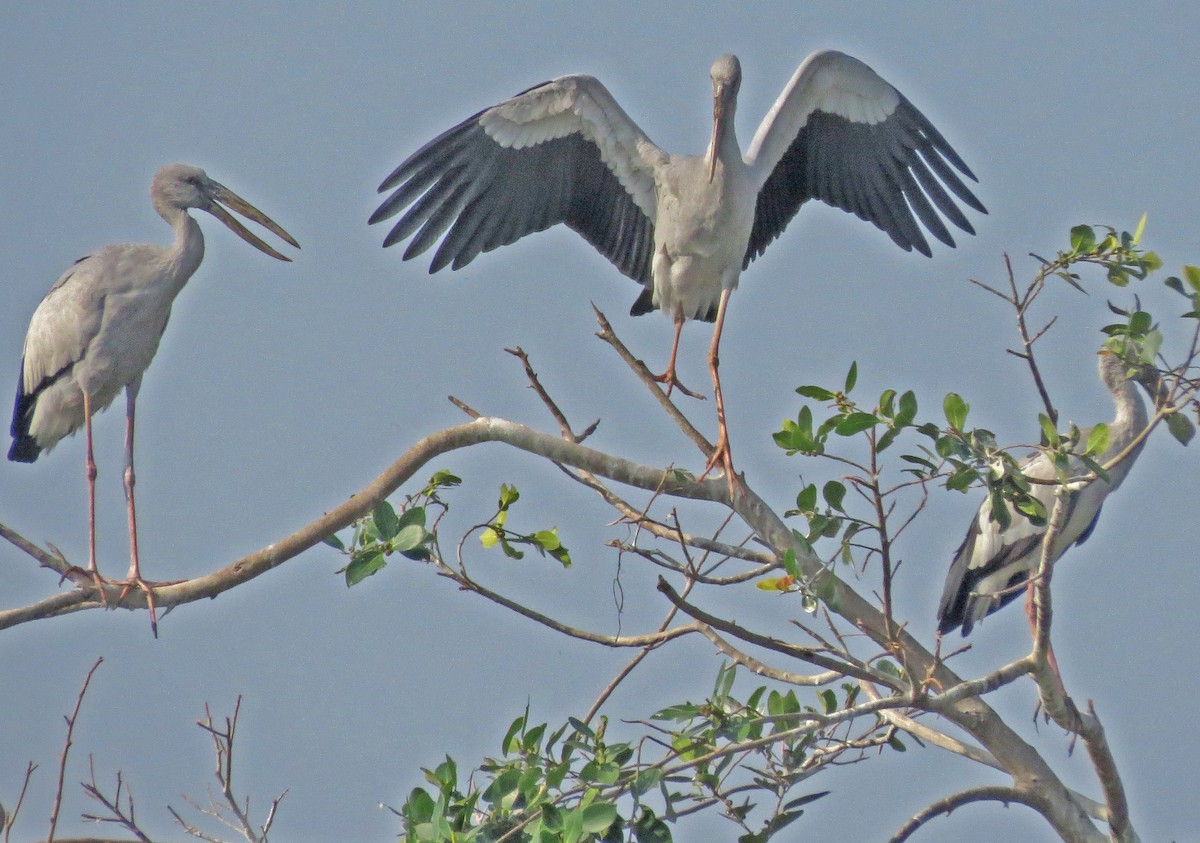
x=840 y=133
x=563 y=151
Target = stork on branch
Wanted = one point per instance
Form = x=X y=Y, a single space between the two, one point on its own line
x=684 y=226
x=994 y=561
x=99 y=327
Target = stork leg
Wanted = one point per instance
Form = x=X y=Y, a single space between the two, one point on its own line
x=721 y=453
x=91 y=478
x=668 y=377
x=134 y=577
x=1030 y=613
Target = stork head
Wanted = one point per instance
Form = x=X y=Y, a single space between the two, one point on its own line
x=726 y=76
x=178 y=187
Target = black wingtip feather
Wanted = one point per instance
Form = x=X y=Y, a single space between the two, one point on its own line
x=24 y=449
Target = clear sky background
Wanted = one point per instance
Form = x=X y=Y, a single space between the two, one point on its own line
x=281 y=389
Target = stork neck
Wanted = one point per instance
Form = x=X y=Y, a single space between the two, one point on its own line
x=187 y=249
x=1131 y=416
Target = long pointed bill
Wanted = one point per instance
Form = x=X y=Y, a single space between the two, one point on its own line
x=718 y=127
x=222 y=194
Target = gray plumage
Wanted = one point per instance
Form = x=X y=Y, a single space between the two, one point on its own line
x=992 y=563
x=99 y=327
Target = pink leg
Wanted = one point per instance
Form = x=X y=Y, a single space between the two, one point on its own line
x=134 y=577
x=91 y=478
x=721 y=452
x=668 y=377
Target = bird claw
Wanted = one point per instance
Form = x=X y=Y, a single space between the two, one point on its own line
x=721 y=455
x=147 y=587
x=668 y=378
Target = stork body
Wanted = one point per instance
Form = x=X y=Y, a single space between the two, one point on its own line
x=683 y=226
x=99 y=327
x=992 y=563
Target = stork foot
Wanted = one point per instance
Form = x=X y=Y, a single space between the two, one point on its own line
x=75 y=574
x=722 y=456
x=147 y=586
x=668 y=378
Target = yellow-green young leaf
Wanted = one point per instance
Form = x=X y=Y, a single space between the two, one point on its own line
x=548 y=539
x=1137 y=232
x=508 y=495
x=1191 y=274
x=1097 y=442
x=489 y=537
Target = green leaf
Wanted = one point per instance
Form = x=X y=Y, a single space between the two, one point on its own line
x=887 y=403
x=1083 y=239
x=956 y=410
x=1097 y=442
x=789 y=563
x=386 y=521
x=1181 y=427
x=829 y=701
x=598 y=816
x=851 y=377
x=412 y=536
x=444 y=479
x=908 y=408
x=1140 y=322
x=853 y=423
x=806 y=501
x=817 y=393
x=834 y=493
x=364 y=565
x=510 y=744
x=1049 y=431
x=333 y=541
x=1031 y=508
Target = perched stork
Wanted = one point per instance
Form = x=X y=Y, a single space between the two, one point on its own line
x=98 y=328
x=992 y=563
x=684 y=226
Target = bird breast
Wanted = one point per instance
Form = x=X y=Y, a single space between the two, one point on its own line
x=701 y=234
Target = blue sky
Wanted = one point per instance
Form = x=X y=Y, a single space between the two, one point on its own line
x=281 y=389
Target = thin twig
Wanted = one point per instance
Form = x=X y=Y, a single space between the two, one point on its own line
x=66 y=750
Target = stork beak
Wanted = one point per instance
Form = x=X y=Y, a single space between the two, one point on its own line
x=223 y=195
x=718 y=124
